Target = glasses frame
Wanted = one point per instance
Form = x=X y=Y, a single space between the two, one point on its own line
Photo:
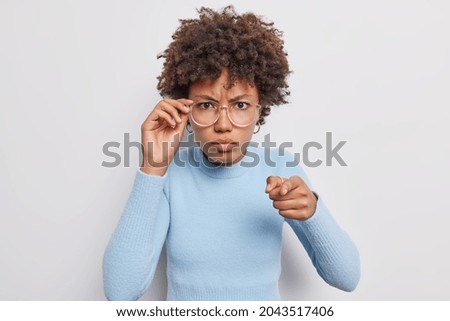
x=219 y=108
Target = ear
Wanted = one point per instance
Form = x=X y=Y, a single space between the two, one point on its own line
x=259 y=127
x=189 y=127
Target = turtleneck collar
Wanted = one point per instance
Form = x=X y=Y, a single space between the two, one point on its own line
x=217 y=171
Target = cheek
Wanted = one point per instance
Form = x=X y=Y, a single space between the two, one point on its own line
x=249 y=133
x=244 y=135
x=251 y=129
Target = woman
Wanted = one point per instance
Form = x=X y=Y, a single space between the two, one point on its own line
x=220 y=206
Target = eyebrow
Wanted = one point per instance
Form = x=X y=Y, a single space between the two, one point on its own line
x=215 y=100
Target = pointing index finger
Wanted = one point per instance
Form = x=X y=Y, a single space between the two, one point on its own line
x=186 y=101
x=273 y=182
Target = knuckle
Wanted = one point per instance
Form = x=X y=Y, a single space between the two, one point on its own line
x=298 y=180
x=304 y=192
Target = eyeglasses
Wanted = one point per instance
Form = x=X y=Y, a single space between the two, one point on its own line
x=240 y=113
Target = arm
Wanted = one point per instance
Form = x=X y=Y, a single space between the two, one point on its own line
x=331 y=250
x=133 y=251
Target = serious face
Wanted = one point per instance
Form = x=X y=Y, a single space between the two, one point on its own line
x=235 y=110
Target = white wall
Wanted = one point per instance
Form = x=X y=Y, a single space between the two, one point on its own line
x=77 y=74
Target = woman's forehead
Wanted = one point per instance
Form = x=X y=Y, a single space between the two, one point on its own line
x=222 y=85
x=222 y=88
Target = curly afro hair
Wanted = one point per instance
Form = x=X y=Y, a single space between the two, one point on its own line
x=249 y=47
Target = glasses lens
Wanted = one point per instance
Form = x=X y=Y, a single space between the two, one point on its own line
x=240 y=113
x=204 y=113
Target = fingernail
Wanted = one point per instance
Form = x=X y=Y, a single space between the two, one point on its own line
x=268 y=186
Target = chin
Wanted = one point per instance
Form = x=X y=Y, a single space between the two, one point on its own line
x=224 y=160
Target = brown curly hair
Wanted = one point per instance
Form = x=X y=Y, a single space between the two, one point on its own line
x=251 y=48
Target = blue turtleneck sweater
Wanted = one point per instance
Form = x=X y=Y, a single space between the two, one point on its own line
x=222 y=234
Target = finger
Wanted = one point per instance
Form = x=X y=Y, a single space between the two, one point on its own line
x=273 y=182
x=167 y=117
x=288 y=204
x=286 y=187
x=170 y=109
x=275 y=195
x=182 y=126
x=293 y=214
x=290 y=184
x=156 y=114
x=186 y=101
x=182 y=104
x=184 y=118
x=173 y=107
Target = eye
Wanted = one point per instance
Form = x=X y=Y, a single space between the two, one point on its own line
x=205 y=105
x=241 y=105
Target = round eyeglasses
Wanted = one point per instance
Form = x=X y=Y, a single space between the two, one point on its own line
x=240 y=113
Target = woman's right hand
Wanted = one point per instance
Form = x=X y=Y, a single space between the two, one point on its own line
x=161 y=134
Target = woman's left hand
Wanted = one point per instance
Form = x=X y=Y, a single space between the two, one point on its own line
x=291 y=197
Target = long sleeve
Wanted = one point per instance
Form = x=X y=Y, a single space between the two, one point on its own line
x=133 y=251
x=331 y=250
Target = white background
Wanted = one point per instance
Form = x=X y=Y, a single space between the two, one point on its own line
x=77 y=74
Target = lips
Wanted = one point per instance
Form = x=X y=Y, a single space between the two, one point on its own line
x=223 y=145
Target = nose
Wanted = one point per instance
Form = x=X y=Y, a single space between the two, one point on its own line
x=223 y=123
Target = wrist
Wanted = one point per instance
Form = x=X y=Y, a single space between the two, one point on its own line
x=315 y=201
